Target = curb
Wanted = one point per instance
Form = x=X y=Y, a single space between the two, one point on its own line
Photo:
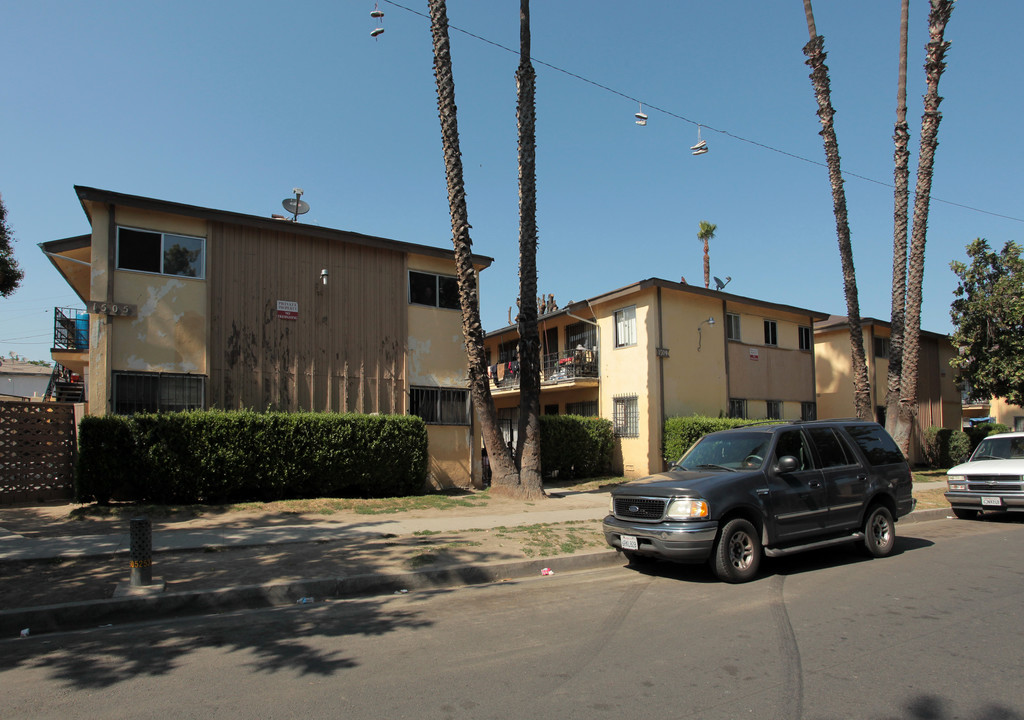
x=70 y=616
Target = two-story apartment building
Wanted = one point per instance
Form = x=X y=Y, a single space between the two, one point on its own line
x=938 y=398
x=191 y=307
x=657 y=349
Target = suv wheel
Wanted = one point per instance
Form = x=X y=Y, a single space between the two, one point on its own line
x=965 y=514
x=879 y=532
x=737 y=553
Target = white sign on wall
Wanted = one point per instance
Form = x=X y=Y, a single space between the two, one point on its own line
x=287 y=310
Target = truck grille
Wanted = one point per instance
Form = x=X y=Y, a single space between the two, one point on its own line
x=634 y=508
x=994 y=483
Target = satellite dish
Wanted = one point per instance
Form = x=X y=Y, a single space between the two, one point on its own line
x=719 y=284
x=296 y=205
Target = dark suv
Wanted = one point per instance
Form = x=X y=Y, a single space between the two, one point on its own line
x=766 y=489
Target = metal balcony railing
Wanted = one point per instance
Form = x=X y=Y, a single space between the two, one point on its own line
x=555 y=368
x=70 y=329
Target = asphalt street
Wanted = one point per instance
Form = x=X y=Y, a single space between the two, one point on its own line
x=931 y=633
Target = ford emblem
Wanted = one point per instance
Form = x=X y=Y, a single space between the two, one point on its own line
x=634 y=508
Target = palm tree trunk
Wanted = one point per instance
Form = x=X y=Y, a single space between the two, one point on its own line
x=502 y=468
x=815 y=52
x=934 y=65
x=901 y=195
x=528 y=450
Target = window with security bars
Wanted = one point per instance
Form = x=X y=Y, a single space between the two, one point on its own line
x=136 y=392
x=626 y=416
x=581 y=334
x=737 y=408
x=587 y=408
x=808 y=411
x=440 y=406
x=773 y=409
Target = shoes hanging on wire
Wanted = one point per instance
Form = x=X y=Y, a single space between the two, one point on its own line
x=641 y=117
x=378 y=15
x=701 y=147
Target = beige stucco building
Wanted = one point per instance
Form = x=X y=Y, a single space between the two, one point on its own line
x=657 y=349
x=938 y=397
x=191 y=307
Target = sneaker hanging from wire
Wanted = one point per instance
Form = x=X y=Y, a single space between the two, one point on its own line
x=700 y=151
x=700 y=146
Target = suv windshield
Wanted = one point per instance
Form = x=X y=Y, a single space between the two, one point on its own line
x=729 y=451
x=1000 y=448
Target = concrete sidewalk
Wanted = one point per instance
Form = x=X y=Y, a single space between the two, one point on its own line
x=383 y=579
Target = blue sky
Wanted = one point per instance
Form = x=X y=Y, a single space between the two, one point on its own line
x=232 y=104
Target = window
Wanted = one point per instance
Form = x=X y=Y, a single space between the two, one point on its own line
x=882 y=347
x=805 y=337
x=793 y=443
x=136 y=392
x=440 y=406
x=774 y=409
x=737 y=408
x=163 y=253
x=625 y=327
x=551 y=409
x=581 y=334
x=878 y=447
x=771 y=333
x=732 y=326
x=808 y=411
x=433 y=290
x=830 y=449
x=1018 y=424
x=587 y=408
x=626 y=416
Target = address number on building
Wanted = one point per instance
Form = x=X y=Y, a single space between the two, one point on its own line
x=115 y=309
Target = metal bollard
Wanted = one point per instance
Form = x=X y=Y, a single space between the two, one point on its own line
x=140 y=552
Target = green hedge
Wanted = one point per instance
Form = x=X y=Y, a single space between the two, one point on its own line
x=682 y=432
x=944 y=448
x=572 y=446
x=220 y=457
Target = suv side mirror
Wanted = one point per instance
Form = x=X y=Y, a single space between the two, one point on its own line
x=787 y=464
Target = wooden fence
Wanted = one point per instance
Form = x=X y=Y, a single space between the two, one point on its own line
x=38 y=444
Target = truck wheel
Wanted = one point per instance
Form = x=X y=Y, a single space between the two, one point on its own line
x=737 y=554
x=879 y=532
x=965 y=514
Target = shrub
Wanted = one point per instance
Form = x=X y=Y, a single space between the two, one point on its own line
x=572 y=446
x=944 y=447
x=220 y=457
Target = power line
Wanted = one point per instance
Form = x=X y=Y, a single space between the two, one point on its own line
x=704 y=126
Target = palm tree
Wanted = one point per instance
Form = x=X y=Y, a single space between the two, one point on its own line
x=706 y=232
x=901 y=195
x=503 y=469
x=815 y=52
x=528 y=449
x=934 y=65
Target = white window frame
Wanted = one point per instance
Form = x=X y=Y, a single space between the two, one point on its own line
x=732 y=326
x=806 y=337
x=625 y=326
x=437 y=290
x=771 y=333
x=201 y=274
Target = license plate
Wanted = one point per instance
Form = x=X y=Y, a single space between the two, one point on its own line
x=997 y=502
x=628 y=542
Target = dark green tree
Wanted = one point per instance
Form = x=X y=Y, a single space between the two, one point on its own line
x=988 y=321
x=10 y=274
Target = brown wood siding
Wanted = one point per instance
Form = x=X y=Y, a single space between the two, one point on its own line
x=346 y=351
x=777 y=374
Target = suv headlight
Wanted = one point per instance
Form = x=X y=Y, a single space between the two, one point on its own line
x=956 y=482
x=687 y=509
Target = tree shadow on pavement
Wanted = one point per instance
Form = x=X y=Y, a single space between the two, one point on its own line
x=271 y=641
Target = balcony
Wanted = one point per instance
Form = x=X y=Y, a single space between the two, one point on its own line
x=70 y=329
x=575 y=367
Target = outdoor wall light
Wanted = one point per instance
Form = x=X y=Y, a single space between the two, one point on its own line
x=709 y=321
x=323 y=276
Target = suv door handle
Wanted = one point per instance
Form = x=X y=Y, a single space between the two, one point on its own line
x=814 y=484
